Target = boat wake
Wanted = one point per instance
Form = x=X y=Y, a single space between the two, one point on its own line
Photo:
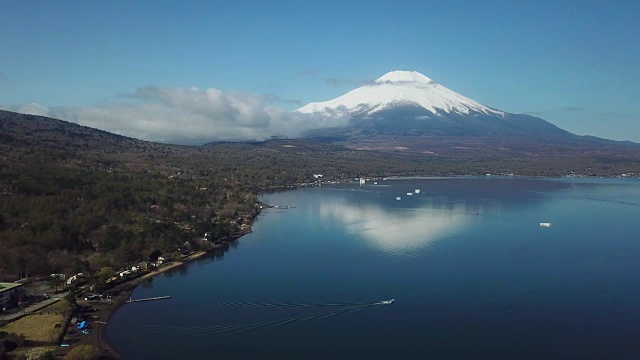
x=283 y=305
x=235 y=328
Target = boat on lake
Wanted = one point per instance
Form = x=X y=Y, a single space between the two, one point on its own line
x=387 y=302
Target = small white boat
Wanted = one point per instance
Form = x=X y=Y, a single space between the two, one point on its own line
x=417 y=191
x=409 y=194
x=545 y=224
x=375 y=183
x=387 y=302
x=398 y=198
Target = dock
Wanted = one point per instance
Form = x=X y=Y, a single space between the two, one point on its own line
x=283 y=207
x=149 y=299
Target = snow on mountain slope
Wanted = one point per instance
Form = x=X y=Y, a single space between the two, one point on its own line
x=398 y=89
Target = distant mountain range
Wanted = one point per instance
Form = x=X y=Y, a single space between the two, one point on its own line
x=407 y=111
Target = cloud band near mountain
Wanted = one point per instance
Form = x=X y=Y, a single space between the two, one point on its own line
x=189 y=116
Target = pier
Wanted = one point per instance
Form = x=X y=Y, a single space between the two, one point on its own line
x=149 y=299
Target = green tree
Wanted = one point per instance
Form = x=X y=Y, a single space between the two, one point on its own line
x=57 y=281
x=71 y=299
x=105 y=273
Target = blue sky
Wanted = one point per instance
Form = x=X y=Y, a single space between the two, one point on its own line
x=573 y=63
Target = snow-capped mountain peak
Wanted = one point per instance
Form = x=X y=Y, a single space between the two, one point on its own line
x=399 y=89
x=400 y=76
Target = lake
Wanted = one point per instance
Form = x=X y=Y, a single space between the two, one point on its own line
x=472 y=272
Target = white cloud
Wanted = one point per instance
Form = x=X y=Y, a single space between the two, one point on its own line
x=32 y=109
x=190 y=116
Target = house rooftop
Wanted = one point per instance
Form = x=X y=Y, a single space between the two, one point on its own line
x=8 y=286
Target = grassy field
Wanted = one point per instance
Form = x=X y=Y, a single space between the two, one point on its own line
x=37 y=328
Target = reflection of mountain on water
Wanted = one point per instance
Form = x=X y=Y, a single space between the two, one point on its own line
x=443 y=208
x=399 y=231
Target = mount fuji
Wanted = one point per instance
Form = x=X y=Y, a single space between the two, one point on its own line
x=406 y=110
x=400 y=89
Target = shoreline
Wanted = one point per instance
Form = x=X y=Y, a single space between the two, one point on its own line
x=100 y=341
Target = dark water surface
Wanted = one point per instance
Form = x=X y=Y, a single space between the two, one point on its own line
x=472 y=272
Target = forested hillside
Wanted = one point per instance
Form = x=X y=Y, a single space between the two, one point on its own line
x=75 y=199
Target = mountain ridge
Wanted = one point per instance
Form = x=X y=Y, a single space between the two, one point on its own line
x=409 y=111
x=21 y=134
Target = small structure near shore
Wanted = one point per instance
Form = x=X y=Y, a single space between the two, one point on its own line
x=149 y=299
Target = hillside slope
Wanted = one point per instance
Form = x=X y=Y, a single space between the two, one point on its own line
x=76 y=199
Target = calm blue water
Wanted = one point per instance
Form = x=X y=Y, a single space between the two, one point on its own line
x=472 y=272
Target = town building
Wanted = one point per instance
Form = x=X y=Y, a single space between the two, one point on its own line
x=10 y=294
x=164 y=259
